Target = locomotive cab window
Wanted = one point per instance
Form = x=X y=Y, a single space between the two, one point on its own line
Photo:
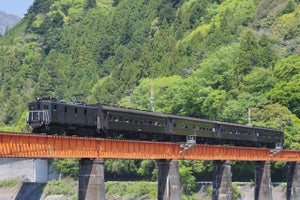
x=31 y=107
x=46 y=107
x=75 y=110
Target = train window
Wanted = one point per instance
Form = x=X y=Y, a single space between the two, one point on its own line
x=38 y=106
x=136 y=121
x=75 y=110
x=116 y=119
x=54 y=108
x=146 y=122
x=141 y=122
x=31 y=107
x=155 y=123
x=46 y=107
x=174 y=125
x=109 y=117
x=130 y=120
x=66 y=109
x=85 y=111
x=121 y=119
x=150 y=123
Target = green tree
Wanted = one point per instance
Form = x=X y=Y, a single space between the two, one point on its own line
x=247 y=56
x=48 y=78
x=279 y=117
x=121 y=169
x=161 y=89
x=259 y=80
x=90 y=4
x=286 y=83
x=217 y=69
x=187 y=180
x=214 y=104
x=148 y=169
x=66 y=167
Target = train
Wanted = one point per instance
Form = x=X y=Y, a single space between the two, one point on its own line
x=52 y=116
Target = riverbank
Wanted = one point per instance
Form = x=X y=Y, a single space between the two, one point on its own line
x=67 y=189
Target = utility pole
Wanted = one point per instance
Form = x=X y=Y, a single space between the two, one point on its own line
x=249 y=117
x=152 y=100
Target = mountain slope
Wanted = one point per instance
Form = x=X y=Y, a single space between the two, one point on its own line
x=7 y=21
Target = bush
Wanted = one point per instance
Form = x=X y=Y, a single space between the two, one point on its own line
x=64 y=187
x=131 y=190
x=9 y=183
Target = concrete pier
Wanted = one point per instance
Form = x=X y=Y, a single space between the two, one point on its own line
x=222 y=180
x=293 y=181
x=91 y=179
x=263 y=189
x=168 y=180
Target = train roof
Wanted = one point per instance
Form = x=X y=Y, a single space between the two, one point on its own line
x=132 y=111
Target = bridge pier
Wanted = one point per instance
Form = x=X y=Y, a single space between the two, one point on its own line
x=263 y=189
x=168 y=180
x=222 y=180
x=293 y=181
x=91 y=179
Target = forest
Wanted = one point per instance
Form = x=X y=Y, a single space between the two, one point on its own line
x=211 y=59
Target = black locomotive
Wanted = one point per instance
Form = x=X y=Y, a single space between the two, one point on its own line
x=52 y=116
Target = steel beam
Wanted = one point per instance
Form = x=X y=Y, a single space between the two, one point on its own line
x=46 y=146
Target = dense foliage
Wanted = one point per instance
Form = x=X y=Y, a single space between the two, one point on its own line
x=214 y=59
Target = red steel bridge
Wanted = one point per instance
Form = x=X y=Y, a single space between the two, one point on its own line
x=24 y=145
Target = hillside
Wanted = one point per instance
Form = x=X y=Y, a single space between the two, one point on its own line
x=7 y=21
x=212 y=59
